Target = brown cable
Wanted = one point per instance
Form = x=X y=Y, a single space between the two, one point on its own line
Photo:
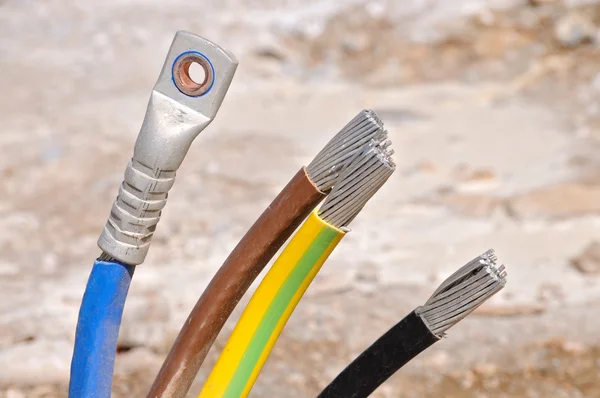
x=225 y=290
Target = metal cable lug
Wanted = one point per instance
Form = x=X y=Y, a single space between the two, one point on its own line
x=178 y=110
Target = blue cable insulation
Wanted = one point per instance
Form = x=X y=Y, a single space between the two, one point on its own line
x=98 y=329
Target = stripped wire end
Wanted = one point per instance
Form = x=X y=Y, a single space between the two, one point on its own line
x=362 y=176
x=324 y=170
x=463 y=292
x=106 y=257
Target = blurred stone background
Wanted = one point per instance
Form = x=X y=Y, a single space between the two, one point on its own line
x=493 y=108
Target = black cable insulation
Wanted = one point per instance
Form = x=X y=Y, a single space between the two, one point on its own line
x=399 y=345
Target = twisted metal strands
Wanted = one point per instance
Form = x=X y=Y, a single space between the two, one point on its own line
x=362 y=176
x=463 y=292
x=106 y=257
x=324 y=170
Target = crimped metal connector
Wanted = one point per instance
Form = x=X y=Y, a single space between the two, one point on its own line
x=178 y=110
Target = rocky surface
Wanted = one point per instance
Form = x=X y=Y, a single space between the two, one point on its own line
x=494 y=117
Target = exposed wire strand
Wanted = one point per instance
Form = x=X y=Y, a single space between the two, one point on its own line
x=463 y=292
x=363 y=175
x=325 y=167
x=106 y=257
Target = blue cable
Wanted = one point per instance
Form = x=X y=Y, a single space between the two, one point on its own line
x=97 y=330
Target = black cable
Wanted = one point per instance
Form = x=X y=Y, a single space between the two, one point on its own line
x=458 y=296
x=407 y=339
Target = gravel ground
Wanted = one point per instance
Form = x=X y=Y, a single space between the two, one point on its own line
x=494 y=117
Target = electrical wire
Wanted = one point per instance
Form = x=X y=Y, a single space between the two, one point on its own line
x=284 y=285
x=256 y=248
x=176 y=114
x=456 y=298
x=98 y=328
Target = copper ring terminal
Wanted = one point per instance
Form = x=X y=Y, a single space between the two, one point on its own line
x=181 y=74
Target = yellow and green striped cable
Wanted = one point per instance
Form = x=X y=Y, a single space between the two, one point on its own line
x=284 y=285
x=270 y=308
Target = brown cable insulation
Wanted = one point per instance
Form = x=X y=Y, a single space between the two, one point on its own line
x=272 y=229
